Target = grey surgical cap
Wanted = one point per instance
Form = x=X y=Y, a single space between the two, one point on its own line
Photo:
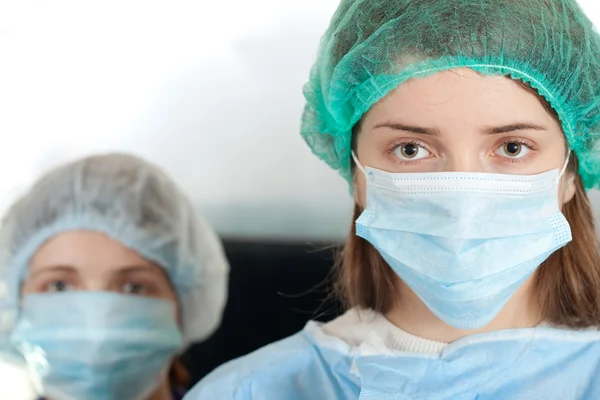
x=135 y=203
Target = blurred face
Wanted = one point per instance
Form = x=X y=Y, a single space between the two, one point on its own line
x=460 y=120
x=91 y=261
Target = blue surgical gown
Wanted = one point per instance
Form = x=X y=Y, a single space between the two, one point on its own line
x=534 y=364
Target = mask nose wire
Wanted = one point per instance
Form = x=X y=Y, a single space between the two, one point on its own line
x=358 y=164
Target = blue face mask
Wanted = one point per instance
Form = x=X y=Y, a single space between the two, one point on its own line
x=463 y=242
x=96 y=345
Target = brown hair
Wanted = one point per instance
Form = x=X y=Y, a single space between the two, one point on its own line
x=567 y=283
x=179 y=377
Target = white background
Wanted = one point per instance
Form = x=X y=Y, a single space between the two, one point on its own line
x=211 y=91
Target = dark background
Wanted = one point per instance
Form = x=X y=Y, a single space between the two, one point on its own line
x=274 y=289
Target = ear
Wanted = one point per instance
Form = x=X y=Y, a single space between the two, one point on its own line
x=568 y=188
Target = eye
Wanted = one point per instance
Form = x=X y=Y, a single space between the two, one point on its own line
x=135 y=288
x=513 y=149
x=411 y=152
x=58 y=286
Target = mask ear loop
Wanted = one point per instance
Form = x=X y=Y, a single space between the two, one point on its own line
x=564 y=167
x=358 y=164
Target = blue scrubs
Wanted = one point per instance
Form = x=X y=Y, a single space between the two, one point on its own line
x=524 y=364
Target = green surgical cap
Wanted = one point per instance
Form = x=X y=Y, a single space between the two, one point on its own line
x=372 y=46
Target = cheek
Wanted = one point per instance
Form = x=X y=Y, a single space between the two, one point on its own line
x=26 y=288
x=168 y=292
x=31 y=286
x=177 y=312
x=171 y=296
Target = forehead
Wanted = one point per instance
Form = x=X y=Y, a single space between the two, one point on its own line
x=87 y=251
x=463 y=97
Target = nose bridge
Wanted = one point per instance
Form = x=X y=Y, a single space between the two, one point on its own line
x=463 y=159
x=95 y=281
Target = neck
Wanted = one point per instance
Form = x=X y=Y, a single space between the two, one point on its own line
x=163 y=392
x=412 y=315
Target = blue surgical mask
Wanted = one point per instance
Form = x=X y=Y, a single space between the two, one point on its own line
x=463 y=242
x=96 y=345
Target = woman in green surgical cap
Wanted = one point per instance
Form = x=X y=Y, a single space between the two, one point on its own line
x=467 y=130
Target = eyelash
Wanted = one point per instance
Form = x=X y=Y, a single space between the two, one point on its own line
x=531 y=146
x=148 y=287
x=415 y=142
x=48 y=285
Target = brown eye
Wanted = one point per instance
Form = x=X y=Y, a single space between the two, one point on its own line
x=58 y=286
x=135 y=288
x=411 y=151
x=512 y=148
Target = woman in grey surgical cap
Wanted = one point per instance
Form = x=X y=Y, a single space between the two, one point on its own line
x=111 y=274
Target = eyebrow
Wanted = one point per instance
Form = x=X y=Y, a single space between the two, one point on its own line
x=52 y=269
x=124 y=270
x=518 y=126
x=408 y=128
x=496 y=130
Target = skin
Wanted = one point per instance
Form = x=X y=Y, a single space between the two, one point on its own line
x=460 y=120
x=91 y=261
